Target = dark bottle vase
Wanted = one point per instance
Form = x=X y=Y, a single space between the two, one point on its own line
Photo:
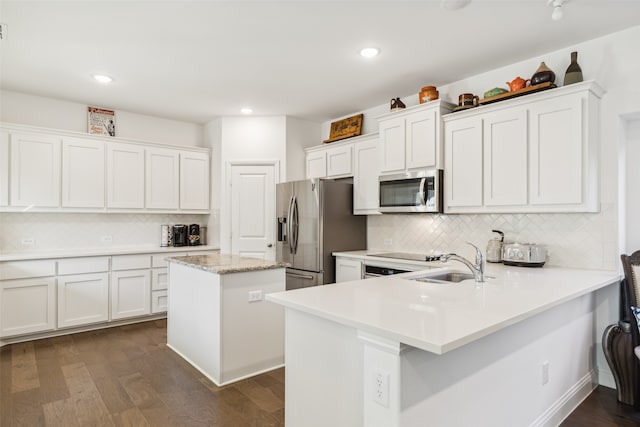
x=618 y=350
x=574 y=72
x=542 y=75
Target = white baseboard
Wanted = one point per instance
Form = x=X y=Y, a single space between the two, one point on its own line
x=569 y=401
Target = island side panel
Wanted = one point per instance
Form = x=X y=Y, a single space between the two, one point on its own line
x=193 y=318
x=470 y=385
x=252 y=331
x=323 y=380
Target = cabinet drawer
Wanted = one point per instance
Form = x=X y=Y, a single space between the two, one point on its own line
x=130 y=262
x=83 y=265
x=158 y=260
x=159 y=302
x=159 y=279
x=23 y=269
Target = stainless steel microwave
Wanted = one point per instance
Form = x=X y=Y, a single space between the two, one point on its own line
x=419 y=191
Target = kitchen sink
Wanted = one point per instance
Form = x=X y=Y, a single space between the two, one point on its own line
x=451 y=276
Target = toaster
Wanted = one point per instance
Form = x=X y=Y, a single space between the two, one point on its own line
x=524 y=254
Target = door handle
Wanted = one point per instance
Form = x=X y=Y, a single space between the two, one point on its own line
x=300 y=276
x=270 y=245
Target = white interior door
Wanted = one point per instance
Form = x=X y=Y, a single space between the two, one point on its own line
x=253 y=211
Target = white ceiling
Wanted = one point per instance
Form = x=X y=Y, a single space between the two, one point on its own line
x=197 y=60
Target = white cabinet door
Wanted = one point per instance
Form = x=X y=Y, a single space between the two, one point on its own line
x=420 y=134
x=463 y=163
x=392 y=146
x=316 y=164
x=163 y=177
x=159 y=302
x=27 y=306
x=160 y=278
x=83 y=299
x=130 y=294
x=505 y=157
x=35 y=170
x=348 y=269
x=194 y=181
x=339 y=162
x=82 y=173
x=125 y=176
x=4 y=169
x=366 y=188
x=557 y=151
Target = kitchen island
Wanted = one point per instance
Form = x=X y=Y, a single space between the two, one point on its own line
x=217 y=318
x=390 y=351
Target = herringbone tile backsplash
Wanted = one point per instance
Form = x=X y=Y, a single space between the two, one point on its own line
x=53 y=231
x=573 y=240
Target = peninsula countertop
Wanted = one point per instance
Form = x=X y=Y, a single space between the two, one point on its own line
x=226 y=263
x=439 y=317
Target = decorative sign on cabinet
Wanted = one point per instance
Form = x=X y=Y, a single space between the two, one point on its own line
x=537 y=153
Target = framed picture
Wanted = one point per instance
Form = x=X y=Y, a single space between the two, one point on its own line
x=101 y=121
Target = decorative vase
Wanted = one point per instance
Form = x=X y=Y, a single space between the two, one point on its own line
x=574 y=72
x=618 y=350
x=542 y=75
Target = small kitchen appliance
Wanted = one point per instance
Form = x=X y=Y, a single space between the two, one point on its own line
x=494 y=247
x=165 y=236
x=419 y=191
x=194 y=235
x=524 y=254
x=180 y=235
x=203 y=235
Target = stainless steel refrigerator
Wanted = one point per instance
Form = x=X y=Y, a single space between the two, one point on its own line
x=315 y=218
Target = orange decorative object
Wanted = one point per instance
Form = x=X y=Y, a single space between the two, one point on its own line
x=517 y=84
x=428 y=93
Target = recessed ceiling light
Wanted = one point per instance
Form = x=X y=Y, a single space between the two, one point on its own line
x=102 y=78
x=246 y=110
x=369 y=52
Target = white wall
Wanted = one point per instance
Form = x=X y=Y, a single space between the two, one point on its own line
x=213 y=140
x=301 y=134
x=52 y=113
x=630 y=206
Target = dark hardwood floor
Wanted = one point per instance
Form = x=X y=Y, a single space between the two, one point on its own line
x=126 y=376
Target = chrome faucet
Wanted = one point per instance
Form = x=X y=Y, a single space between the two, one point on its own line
x=477 y=269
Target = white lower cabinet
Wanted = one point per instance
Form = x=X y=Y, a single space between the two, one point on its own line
x=159 y=286
x=83 y=299
x=348 y=269
x=159 y=302
x=27 y=306
x=130 y=294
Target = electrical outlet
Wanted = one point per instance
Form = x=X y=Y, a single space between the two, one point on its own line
x=106 y=239
x=381 y=388
x=255 y=296
x=28 y=241
x=388 y=241
x=545 y=373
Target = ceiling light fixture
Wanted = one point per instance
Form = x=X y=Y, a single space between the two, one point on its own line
x=102 y=78
x=369 y=52
x=454 y=4
x=246 y=110
x=557 y=8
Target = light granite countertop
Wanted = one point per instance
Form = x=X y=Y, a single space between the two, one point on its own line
x=226 y=263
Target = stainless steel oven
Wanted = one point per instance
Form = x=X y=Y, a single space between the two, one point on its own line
x=371 y=271
x=419 y=191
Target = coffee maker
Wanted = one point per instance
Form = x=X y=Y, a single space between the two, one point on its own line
x=180 y=232
x=194 y=235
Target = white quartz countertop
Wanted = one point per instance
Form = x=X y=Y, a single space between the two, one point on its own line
x=104 y=251
x=226 y=264
x=439 y=317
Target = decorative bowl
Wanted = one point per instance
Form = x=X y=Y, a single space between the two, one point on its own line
x=495 y=91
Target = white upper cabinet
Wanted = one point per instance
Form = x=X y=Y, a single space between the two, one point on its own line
x=536 y=153
x=162 y=178
x=366 y=189
x=194 y=181
x=333 y=160
x=125 y=176
x=463 y=163
x=412 y=138
x=505 y=157
x=4 y=168
x=35 y=170
x=316 y=164
x=83 y=163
